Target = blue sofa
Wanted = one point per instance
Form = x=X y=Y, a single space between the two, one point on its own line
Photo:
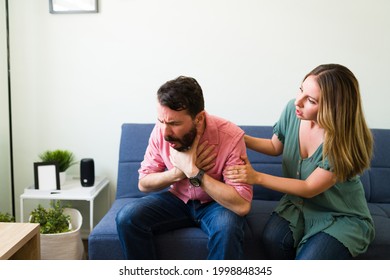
x=191 y=243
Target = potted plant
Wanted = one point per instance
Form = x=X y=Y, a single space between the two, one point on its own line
x=6 y=218
x=63 y=158
x=60 y=232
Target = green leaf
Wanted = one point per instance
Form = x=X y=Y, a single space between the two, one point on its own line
x=51 y=220
x=63 y=158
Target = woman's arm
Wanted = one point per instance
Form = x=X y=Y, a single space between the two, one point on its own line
x=272 y=147
x=319 y=181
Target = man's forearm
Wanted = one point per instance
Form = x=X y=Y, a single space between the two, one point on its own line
x=157 y=181
x=225 y=195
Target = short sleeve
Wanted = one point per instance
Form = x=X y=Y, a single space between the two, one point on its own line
x=281 y=126
x=324 y=164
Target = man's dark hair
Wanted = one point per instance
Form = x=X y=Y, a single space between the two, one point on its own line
x=182 y=93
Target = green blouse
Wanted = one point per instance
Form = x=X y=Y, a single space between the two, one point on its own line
x=341 y=211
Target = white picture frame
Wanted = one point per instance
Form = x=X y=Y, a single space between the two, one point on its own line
x=73 y=6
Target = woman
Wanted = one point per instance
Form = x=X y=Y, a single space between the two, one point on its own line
x=326 y=144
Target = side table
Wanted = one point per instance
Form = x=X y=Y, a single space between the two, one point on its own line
x=71 y=190
x=19 y=241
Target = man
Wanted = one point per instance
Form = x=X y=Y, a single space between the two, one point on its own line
x=185 y=140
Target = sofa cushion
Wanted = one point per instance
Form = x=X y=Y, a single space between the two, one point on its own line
x=380 y=247
x=103 y=242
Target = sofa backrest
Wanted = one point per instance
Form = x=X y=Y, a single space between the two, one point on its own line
x=376 y=180
x=133 y=143
x=263 y=163
x=135 y=137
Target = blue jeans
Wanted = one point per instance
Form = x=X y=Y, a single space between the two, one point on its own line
x=279 y=243
x=138 y=222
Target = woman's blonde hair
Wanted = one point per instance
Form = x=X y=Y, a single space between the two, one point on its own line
x=348 y=141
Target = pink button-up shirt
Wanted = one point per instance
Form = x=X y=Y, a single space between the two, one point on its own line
x=229 y=146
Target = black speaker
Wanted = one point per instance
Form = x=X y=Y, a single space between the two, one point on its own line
x=87 y=172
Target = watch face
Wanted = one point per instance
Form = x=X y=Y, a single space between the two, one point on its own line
x=195 y=182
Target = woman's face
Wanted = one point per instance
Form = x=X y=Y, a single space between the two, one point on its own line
x=307 y=100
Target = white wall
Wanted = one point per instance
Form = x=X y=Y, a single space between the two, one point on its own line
x=77 y=78
x=5 y=172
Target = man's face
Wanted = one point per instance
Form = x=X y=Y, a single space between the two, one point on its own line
x=178 y=127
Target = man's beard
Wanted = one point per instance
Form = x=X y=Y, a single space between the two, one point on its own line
x=185 y=142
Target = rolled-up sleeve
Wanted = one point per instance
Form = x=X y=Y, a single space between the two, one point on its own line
x=153 y=161
x=238 y=150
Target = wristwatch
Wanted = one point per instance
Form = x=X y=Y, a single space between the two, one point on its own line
x=196 y=181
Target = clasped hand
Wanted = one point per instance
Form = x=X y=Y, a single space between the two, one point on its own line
x=199 y=156
x=241 y=173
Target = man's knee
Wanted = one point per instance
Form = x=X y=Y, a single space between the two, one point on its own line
x=128 y=214
x=228 y=223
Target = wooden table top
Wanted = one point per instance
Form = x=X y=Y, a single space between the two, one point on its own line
x=14 y=235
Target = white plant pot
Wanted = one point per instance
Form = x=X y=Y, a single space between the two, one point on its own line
x=67 y=245
x=62 y=178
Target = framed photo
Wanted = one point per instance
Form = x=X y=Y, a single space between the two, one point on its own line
x=73 y=6
x=46 y=176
